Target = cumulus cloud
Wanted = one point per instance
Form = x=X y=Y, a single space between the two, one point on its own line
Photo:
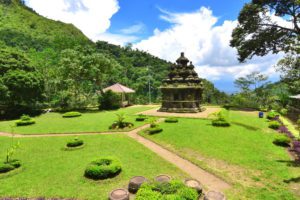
x=205 y=43
x=136 y=28
x=90 y=16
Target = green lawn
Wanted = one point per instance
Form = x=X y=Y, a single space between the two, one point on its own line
x=48 y=171
x=88 y=122
x=242 y=154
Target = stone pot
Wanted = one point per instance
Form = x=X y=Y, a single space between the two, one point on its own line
x=119 y=194
x=135 y=183
x=192 y=183
x=163 y=178
x=213 y=195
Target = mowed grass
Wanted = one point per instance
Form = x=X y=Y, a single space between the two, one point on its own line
x=88 y=122
x=242 y=154
x=50 y=172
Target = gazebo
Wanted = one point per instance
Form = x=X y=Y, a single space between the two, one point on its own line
x=120 y=89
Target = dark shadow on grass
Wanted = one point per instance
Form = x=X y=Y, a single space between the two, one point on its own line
x=292 y=180
x=290 y=163
x=251 y=128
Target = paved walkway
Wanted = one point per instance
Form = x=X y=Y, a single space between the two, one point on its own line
x=210 y=181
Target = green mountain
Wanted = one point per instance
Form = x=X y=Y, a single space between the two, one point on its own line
x=23 y=28
x=54 y=48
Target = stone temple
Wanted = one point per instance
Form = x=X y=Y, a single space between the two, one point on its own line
x=182 y=89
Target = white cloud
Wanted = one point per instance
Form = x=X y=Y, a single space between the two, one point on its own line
x=117 y=39
x=205 y=43
x=90 y=16
x=137 y=28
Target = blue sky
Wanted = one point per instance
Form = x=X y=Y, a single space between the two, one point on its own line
x=164 y=28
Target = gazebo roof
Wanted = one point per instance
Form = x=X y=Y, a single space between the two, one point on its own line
x=295 y=97
x=118 y=88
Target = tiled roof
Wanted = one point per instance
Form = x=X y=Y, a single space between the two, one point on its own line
x=118 y=88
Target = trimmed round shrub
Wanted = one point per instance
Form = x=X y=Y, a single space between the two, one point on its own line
x=25 y=120
x=103 y=168
x=220 y=123
x=274 y=125
x=171 y=120
x=173 y=190
x=25 y=123
x=154 y=130
x=76 y=142
x=6 y=168
x=284 y=111
x=71 y=114
x=141 y=118
x=282 y=140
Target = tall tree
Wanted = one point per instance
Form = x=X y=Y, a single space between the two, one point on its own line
x=258 y=33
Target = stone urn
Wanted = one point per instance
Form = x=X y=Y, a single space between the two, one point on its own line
x=213 y=195
x=192 y=183
x=163 y=178
x=135 y=183
x=119 y=194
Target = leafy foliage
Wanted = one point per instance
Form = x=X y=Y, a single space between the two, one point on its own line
x=171 y=120
x=109 y=101
x=166 y=191
x=258 y=33
x=120 y=123
x=103 y=168
x=221 y=119
x=282 y=140
x=274 y=125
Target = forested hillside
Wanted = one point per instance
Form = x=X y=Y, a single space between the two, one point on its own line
x=73 y=67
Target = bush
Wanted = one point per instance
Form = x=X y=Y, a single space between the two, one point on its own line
x=6 y=168
x=71 y=114
x=103 y=168
x=173 y=190
x=11 y=165
x=141 y=118
x=25 y=120
x=220 y=123
x=272 y=115
x=75 y=143
x=282 y=140
x=154 y=130
x=274 y=125
x=283 y=111
x=171 y=120
x=109 y=101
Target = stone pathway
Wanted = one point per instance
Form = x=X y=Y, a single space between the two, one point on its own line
x=210 y=181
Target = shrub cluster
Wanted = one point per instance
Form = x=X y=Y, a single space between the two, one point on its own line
x=76 y=142
x=71 y=114
x=9 y=166
x=171 y=120
x=221 y=120
x=282 y=140
x=141 y=118
x=272 y=115
x=122 y=125
x=103 y=168
x=274 y=125
x=25 y=120
x=166 y=191
x=109 y=101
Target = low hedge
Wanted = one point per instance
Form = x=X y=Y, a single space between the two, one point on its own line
x=220 y=123
x=141 y=118
x=154 y=130
x=7 y=167
x=71 y=114
x=282 y=140
x=274 y=125
x=75 y=143
x=103 y=168
x=171 y=120
x=25 y=123
x=172 y=190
